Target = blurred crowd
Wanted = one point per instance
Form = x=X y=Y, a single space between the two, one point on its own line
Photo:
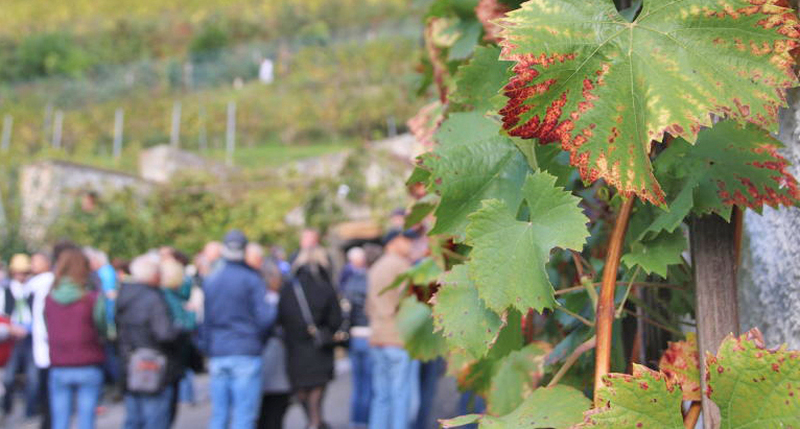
x=78 y=330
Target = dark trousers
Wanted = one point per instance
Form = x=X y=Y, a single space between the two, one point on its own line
x=44 y=397
x=273 y=408
x=21 y=361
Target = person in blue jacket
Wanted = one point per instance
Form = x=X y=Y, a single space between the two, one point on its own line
x=238 y=317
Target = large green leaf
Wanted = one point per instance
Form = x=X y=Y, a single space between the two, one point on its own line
x=478 y=83
x=641 y=400
x=509 y=256
x=656 y=255
x=517 y=376
x=462 y=316
x=474 y=163
x=558 y=407
x=755 y=387
x=415 y=324
x=605 y=87
x=729 y=165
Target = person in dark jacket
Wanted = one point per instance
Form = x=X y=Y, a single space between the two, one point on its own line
x=75 y=318
x=237 y=318
x=355 y=292
x=309 y=361
x=144 y=322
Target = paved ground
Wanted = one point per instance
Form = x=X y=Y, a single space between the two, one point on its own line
x=196 y=417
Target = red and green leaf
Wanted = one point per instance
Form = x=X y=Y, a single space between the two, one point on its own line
x=605 y=88
x=645 y=399
x=728 y=165
x=681 y=363
x=754 y=386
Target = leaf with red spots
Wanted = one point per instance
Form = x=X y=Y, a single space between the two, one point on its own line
x=605 y=88
x=753 y=386
x=645 y=399
x=478 y=82
x=729 y=165
x=557 y=407
x=681 y=363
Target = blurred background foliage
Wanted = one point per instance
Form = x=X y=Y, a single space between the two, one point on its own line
x=343 y=69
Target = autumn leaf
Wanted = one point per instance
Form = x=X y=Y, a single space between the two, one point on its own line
x=605 y=88
x=753 y=386
x=642 y=400
x=729 y=165
x=681 y=363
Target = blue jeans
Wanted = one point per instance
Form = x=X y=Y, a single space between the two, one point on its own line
x=362 y=381
x=393 y=378
x=81 y=384
x=235 y=391
x=149 y=411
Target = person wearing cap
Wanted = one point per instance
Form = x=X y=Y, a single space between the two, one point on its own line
x=238 y=316
x=16 y=305
x=393 y=369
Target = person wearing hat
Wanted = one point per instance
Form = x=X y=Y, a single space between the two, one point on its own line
x=393 y=369
x=238 y=316
x=16 y=305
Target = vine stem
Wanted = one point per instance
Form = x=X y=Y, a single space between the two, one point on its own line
x=572 y=358
x=605 y=307
x=690 y=420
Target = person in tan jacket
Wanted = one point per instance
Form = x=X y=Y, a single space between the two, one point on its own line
x=393 y=368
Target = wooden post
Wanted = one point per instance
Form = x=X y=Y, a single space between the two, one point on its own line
x=58 y=125
x=230 y=134
x=713 y=243
x=119 y=118
x=8 y=126
x=175 y=132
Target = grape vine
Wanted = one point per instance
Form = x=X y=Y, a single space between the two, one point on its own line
x=570 y=142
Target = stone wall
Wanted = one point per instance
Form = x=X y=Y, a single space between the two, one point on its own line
x=48 y=188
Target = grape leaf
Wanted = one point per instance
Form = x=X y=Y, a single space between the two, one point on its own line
x=730 y=165
x=681 y=363
x=657 y=254
x=415 y=324
x=478 y=82
x=509 y=256
x=476 y=375
x=642 y=400
x=755 y=387
x=517 y=376
x=421 y=209
x=462 y=316
x=557 y=407
x=605 y=87
x=474 y=163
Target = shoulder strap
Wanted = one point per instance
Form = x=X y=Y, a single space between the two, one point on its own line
x=302 y=302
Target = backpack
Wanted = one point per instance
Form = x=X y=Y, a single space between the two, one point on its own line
x=147 y=371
